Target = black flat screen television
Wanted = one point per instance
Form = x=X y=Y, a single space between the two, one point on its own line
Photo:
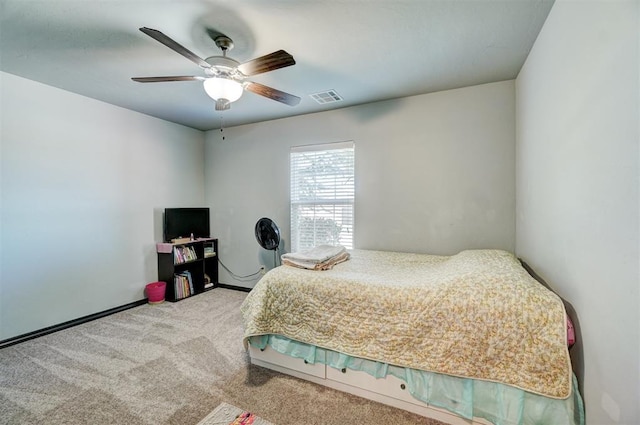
x=183 y=222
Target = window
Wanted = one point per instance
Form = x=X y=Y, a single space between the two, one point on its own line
x=322 y=195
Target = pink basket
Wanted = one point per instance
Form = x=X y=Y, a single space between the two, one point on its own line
x=164 y=248
x=155 y=292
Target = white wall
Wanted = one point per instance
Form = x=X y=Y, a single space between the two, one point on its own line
x=577 y=187
x=84 y=184
x=434 y=173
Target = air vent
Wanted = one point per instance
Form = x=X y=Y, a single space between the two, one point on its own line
x=328 y=96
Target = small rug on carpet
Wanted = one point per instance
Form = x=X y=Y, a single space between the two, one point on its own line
x=226 y=414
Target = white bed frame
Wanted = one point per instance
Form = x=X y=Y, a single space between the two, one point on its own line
x=390 y=390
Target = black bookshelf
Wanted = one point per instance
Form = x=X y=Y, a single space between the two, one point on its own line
x=188 y=267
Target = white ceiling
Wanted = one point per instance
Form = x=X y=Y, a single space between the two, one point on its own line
x=365 y=50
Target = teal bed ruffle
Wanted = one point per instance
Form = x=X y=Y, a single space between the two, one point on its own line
x=498 y=403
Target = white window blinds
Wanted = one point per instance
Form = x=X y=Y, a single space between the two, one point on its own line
x=322 y=195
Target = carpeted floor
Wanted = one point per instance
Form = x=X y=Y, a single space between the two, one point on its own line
x=171 y=363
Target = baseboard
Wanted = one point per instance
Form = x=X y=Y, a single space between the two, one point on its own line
x=55 y=328
x=234 y=287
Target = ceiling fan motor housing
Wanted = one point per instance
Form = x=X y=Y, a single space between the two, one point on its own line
x=221 y=65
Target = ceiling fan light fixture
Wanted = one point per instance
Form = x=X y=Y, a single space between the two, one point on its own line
x=223 y=88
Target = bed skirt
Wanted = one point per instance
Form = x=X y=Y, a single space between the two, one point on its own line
x=468 y=398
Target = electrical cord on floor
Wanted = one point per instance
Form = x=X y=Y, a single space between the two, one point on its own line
x=237 y=277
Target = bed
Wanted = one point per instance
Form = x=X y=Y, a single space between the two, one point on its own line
x=467 y=338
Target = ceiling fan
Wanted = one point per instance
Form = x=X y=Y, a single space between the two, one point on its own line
x=225 y=78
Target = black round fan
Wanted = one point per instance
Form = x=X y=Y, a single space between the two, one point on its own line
x=267 y=234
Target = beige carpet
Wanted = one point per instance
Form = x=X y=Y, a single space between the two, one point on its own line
x=171 y=363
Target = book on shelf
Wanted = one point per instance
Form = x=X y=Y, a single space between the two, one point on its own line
x=183 y=284
x=183 y=254
x=209 y=251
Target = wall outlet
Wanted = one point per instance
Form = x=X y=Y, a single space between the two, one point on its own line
x=263 y=269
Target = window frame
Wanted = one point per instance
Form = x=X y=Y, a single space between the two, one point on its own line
x=339 y=201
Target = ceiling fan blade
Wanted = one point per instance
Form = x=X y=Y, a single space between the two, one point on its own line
x=270 y=62
x=173 y=45
x=271 y=93
x=166 y=79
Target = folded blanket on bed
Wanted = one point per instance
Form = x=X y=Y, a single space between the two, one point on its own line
x=315 y=255
x=322 y=257
x=325 y=265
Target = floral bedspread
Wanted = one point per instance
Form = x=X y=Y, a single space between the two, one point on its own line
x=477 y=314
